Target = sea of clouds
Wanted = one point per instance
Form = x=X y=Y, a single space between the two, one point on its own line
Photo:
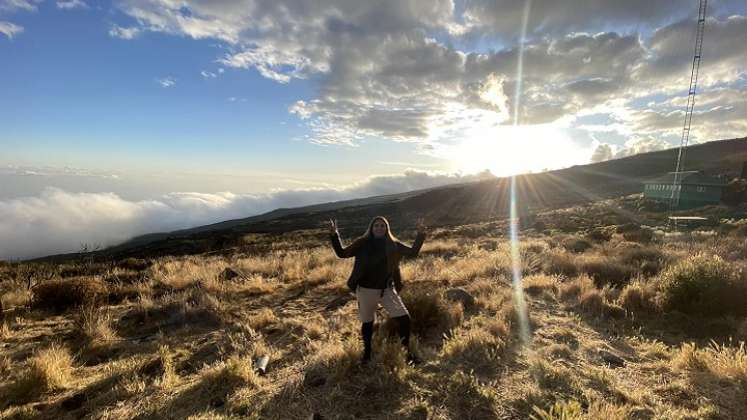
x=59 y=221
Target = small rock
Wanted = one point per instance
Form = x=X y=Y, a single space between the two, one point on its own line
x=460 y=295
x=316 y=416
x=228 y=274
x=611 y=359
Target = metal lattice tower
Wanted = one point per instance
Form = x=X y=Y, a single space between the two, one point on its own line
x=675 y=197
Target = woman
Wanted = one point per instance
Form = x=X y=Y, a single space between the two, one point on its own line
x=376 y=278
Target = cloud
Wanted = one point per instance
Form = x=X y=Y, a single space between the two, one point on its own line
x=553 y=17
x=601 y=153
x=398 y=69
x=124 y=33
x=15 y=5
x=208 y=75
x=71 y=4
x=167 y=82
x=10 y=29
x=58 y=221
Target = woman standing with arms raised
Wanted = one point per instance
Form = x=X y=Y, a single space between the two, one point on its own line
x=376 y=278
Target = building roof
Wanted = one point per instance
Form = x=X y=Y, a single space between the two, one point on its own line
x=688 y=178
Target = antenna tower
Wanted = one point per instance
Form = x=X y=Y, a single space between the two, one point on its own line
x=681 y=154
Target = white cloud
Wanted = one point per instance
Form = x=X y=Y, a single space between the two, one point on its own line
x=167 y=82
x=124 y=33
x=208 y=75
x=396 y=69
x=57 y=221
x=15 y=5
x=10 y=29
x=71 y=4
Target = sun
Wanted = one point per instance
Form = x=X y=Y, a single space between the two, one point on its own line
x=511 y=150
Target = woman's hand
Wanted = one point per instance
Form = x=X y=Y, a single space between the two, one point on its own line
x=332 y=226
x=420 y=227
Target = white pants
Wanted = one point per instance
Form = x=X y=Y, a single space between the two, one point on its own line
x=369 y=300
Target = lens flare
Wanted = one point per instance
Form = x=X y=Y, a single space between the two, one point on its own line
x=519 y=299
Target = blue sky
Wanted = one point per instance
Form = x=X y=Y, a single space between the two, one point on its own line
x=243 y=105
x=75 y=96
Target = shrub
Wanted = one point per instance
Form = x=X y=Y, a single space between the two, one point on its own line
x=601 y=234
x=560 y=263
x=574 y=288
x=640 y=235
x=638 y=297
x=535 y=285
x=133 y=264
x=60 y=295
x=649 y=260
x=593 y=303
x=432 y=312
x=575 y=244
x=703 y=284
x=606 y=271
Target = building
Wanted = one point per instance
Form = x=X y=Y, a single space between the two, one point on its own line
x=695 y=189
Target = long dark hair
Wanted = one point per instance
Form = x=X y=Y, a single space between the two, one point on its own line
x=389 y=235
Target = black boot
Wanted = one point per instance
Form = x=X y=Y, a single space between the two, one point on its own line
x=404 y=336
x=367 y=334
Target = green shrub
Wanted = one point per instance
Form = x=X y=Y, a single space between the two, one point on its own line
x=705 y=285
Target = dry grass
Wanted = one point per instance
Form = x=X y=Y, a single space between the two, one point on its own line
x=179 y=337
x=726 y=363
x=477 y=348
x=538 y=284
x=639 y=297
x=263 y=318
x=16 y=298
x=49 y=370
x=432 y=314
x=94 y=325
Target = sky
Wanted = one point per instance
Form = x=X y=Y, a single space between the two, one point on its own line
x=124 y=117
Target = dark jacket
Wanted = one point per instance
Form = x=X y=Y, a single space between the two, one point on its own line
x=359 y=249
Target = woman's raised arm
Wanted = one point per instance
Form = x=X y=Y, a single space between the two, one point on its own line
x=334 y=236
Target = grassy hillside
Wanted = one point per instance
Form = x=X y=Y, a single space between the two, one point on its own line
x=450 y=205
x=625 y=322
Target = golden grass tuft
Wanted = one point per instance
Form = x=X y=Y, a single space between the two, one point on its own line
x=431 y=313
x=538 y=284
x=50 y=369
x=262 y=318
x=725 y=363
x=94 y=325
x=638 y=297
x=333 y=361
x=475 y=348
